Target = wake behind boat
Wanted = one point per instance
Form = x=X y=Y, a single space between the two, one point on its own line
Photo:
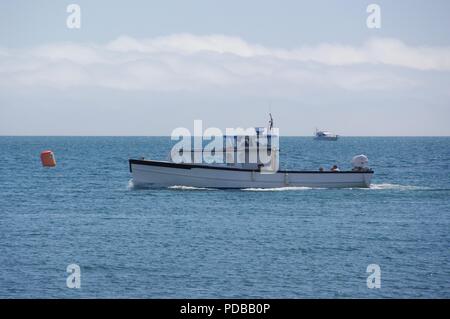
x=243 y=173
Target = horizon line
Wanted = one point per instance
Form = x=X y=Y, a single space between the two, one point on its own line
x=312 y=136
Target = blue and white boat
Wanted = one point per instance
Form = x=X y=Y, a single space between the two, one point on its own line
x=322 y=135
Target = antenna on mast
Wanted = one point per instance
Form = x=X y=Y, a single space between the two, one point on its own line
x=270 y=114
x=270 y=122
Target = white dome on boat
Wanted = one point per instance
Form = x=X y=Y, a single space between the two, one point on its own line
x=360 y=161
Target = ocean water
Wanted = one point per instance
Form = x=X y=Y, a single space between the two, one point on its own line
x=198 y=243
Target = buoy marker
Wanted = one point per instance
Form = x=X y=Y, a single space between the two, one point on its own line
x=48 y=159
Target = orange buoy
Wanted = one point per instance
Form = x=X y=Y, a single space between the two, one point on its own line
x=48 y=159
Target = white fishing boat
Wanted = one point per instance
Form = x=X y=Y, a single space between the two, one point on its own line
x=244 y=174
x=321 y=135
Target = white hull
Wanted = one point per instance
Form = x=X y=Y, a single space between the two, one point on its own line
x=326 y=138
x=165 y=174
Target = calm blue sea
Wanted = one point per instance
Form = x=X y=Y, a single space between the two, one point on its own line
x=183 y=242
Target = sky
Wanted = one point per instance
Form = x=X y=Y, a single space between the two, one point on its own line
x=148 y=67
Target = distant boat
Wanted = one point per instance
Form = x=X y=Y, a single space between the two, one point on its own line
x=325 y=136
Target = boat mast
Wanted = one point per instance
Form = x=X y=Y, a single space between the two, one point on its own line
x=270 y=122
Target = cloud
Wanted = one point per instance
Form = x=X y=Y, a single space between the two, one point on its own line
x=376 y=51
x=189 y=62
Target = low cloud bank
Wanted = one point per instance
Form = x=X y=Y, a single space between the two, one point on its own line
x=193 y=63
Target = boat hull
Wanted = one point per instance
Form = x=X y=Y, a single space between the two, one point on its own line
x=326 y=138
x=165 y=174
